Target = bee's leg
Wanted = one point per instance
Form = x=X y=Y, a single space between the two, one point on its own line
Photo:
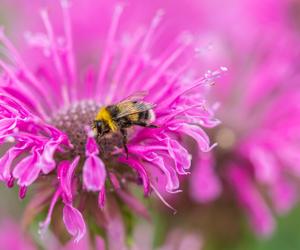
x=152 y=126
x=124 y=134
x=144 y=124
x=100 y=141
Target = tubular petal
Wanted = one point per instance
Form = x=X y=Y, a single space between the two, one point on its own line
x=74 y=222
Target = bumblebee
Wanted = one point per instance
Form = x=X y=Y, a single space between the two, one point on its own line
x=125 y=114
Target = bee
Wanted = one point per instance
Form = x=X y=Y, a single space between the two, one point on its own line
x=125 y=114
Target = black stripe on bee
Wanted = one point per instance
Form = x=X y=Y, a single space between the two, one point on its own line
x=113 y=110
x=144 y=115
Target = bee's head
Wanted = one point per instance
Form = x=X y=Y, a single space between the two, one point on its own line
x=99 y=126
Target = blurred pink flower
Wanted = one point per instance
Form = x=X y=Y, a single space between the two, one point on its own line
x=176 y=239
x=47 y=110
x=260 y=112
x=12 y=238
x=180 y=240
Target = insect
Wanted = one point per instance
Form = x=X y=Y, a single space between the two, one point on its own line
x=125 y=114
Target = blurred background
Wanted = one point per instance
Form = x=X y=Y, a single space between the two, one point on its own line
x=286 y=235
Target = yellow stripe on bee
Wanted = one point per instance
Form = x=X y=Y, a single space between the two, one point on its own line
x=134 y=117
x=104 y=115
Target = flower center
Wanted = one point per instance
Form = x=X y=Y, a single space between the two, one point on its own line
x=73 y=120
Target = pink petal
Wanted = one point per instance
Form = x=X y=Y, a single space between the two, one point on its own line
x=284 y=196
x=265 y=165
x=6 y=162
x=94 y=173
x=13 y=104
x=47 y=162
x=43 y=226
x=194 y=132
x=205 y=185
x=169 y=172
x=7 y=124
x=141 y=171
x=101 y=197
x=65 y=175
x=114 y=181
x=22 y=192
x=74 y=222
x=182 y=158
x=91 y=146
x=257 y=209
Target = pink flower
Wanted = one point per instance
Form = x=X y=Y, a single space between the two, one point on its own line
x=47 y=111
x=257 y=153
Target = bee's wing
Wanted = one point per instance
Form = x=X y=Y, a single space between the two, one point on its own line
x=127 y=108
x=137 y=96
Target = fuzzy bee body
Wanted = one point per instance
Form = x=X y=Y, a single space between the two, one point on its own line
x=123 y=115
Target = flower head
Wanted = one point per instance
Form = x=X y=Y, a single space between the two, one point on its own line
x=258 y=138
x=47 y=115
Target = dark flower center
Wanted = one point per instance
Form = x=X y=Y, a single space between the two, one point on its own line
x=73 y=121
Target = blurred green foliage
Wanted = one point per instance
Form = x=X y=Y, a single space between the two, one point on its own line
x=286 y=237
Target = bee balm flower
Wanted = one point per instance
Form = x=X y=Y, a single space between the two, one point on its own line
x=258 y=139
x=47 y=119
